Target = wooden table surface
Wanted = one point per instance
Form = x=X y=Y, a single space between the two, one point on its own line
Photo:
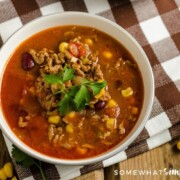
x=157 y=159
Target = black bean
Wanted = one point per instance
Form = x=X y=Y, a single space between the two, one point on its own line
x=100 y=104
x=27 y=61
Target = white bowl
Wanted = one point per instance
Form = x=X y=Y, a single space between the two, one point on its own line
x=102 y=24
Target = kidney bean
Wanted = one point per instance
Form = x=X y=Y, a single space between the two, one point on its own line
x=27 y=61
x=100 y=104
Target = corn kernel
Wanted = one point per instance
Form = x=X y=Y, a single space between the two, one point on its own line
x=69 y=129
x=85 y=60
x=91 y=106
x=107 y=54
x=71 y=115
x=63 y=46
x=127 y=92
x=111 y=103
x=110 y=123
x=89 y=41
x=54 y=119
x=14 y=178
x=2 y=174
x=100 y=94
x=81 y=151
x=178 y=145
x=134 y=110
x=8 y=169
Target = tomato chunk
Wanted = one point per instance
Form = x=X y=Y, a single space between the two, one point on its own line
x=73 y=49
x=77 y=49
x=82 y=50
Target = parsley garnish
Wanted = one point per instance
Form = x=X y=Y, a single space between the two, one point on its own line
x=96 y=86
x=78 y=97
x=52 y=79
x=64 y=76
x=26 y=161
x=68 y=74
x=82 y=98
x=65 y=105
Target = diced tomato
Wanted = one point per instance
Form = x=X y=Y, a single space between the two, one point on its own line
x=77 y=49
x=82 y=50
x=73 y=49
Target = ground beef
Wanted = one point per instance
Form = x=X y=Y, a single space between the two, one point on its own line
x=53 y=63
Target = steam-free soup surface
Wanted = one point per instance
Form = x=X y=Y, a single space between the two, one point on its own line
x=71 y=92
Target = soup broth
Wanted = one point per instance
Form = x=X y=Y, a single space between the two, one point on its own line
x=71 y=92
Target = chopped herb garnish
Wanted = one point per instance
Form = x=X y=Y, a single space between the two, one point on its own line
x=96 y=86
x=26 y=161
x=82 y=98
x=52 y=79
x=78 y=97
x=65 y=105
x=73 y=91
x=66 y=75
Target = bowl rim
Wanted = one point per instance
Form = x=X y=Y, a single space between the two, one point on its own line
x=30 y=151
